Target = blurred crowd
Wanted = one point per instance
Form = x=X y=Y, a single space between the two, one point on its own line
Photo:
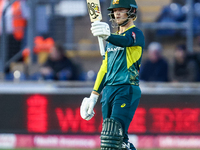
x=54 y=64
x=50 y=55
x=177 y=11
x=185 y=66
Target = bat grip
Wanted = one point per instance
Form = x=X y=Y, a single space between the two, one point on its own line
x=101 y=46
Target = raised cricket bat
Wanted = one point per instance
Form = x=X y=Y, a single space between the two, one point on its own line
x=94 y=10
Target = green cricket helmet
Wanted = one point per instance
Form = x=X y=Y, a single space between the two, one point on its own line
x=122 y=4
x=128 y=4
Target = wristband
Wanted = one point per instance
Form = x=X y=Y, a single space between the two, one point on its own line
x=94 y=96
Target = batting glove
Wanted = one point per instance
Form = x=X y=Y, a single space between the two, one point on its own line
x=100 y=29
x=87 y=106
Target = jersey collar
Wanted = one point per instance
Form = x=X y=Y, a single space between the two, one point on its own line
x=130 y=28
x=127 y=29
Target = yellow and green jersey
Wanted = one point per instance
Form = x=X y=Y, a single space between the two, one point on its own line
x=121 y=63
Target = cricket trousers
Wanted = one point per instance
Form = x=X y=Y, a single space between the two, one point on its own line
x=119 y=102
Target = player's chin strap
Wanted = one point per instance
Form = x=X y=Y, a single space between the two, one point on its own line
x=131 y=15
x=111 y=135
x=115 y=25
x=124 y=23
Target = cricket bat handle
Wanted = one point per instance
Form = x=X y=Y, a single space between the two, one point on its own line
x=101 y=46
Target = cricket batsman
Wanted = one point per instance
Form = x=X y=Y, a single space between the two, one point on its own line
x=118 y=76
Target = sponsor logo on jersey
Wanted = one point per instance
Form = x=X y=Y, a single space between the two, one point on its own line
x=114 y=49
x=134 y=36
x=123 y=105
x=115 y=2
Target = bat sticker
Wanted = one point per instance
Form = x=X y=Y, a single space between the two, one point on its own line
x=94 y=10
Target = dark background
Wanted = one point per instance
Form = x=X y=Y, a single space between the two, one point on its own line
x=15 y=115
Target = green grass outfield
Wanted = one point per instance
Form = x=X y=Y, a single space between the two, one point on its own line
x=92 y=149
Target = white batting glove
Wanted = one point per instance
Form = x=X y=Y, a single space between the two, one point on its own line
x=100 y=29
x=87 y=106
